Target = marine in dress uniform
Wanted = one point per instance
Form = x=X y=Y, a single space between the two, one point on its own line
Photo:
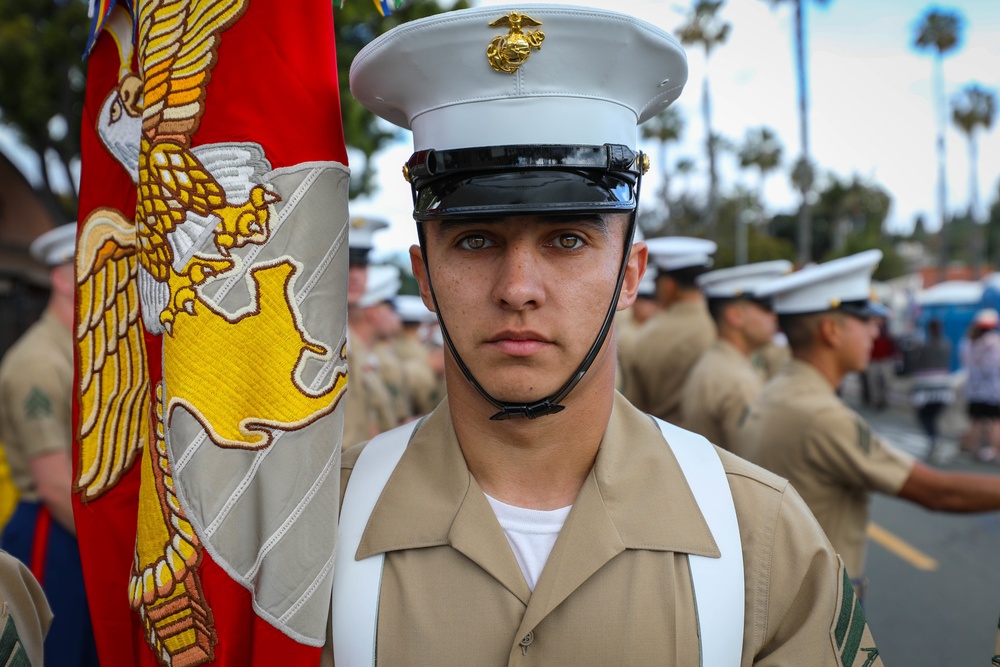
x=800 y=429
x=723 y=383
x=367 y=404
x=668 y=345
x=378 y=308
x=536 y=517
x=414 y=353
x=36 y=427
x=629 y=322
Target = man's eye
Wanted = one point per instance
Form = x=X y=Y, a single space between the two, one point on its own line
x=474 y=242
x=569 y=241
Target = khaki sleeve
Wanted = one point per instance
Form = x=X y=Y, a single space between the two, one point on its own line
x=813 y=617
x=35 y=407
x=735 y=408
x=26 y=615
x=843 y=448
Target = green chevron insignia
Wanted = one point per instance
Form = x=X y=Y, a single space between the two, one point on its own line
x=11 y=651
x=38 y=405
x=864 y=436
x=850 y=629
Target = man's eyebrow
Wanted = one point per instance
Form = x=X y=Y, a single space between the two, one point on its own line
x=596 y=221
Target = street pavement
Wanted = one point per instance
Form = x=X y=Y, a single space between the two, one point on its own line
x=934 y=591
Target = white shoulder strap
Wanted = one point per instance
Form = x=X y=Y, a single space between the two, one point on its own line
x=718 y=582
x=357 y=583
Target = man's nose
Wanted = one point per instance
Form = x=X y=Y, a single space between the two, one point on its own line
x=519 y=282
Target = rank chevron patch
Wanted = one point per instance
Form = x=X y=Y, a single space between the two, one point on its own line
x=850 y=630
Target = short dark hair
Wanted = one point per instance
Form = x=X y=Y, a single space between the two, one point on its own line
x=800 y=330
x=686 y=278
x=717 y=308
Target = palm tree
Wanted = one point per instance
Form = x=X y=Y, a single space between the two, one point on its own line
x=704 y=27
x=939 y=31
x=973 y=108
x=664 y=128
x=804 y=167
x=761 y=150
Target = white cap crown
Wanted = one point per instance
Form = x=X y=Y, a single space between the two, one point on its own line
x=585 y=76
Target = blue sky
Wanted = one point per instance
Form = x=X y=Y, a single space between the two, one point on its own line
x=872 y=110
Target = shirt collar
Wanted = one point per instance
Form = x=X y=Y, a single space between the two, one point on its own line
x=431 y=497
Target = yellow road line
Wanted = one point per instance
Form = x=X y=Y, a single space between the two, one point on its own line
x=904 y=550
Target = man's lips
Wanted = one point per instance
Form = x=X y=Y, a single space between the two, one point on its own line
x=519 y=343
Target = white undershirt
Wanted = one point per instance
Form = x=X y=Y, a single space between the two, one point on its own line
x=531 y=535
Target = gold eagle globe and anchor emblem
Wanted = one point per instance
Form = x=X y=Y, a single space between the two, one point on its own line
x=508 y=53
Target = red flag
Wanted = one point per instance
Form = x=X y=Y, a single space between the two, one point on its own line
x=207 y=463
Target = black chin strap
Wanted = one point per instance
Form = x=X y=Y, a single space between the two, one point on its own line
x=550 y=405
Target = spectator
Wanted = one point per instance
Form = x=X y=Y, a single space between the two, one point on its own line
x=875 y=380
x=982 y=388
x=932 y=386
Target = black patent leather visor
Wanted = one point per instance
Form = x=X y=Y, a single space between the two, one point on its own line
x=509 y=180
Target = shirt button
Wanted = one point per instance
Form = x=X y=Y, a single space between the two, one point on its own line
x=526 y=641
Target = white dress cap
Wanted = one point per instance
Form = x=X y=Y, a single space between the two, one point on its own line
x=382 y=285
x=587 y=77
x=824 y=287
x=56 y=246
x=411 y=308
x=672 y=253
x=362 y=232
x=741 y=281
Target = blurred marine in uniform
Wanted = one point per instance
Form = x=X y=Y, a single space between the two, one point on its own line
x=416 y=353
x=668 y=345
x=536 y=516
x=723 y=383
x=800 y=429
x=367 y=403
x=36 y=427
x=382 y=330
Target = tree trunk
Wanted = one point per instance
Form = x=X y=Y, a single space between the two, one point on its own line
x=978 y=240
x=805 y=208
x=712 y=212
x=942 y=183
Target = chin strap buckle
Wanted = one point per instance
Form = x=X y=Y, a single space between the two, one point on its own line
x=528 y=410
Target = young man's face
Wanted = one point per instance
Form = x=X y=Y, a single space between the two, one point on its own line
x=759 y=323
x=357 y=281
x=857 y=336
x=524 y=297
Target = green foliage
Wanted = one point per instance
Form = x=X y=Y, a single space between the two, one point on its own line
x=974 y=107
x=939 y=30
x=42 y=78
x=704 y=27
x=358 y=23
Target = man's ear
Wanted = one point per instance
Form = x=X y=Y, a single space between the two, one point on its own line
x=634 y=271
x=420 y=273
x=829 y=331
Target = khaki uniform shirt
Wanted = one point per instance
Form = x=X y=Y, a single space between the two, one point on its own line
x=659 y=360
x=718 y=393
x=23 y=603
x=394 y=377
x=424 y=387
x=368 y=407
x=616 y=589
x=798 y=428
x=36 y=399
x=769 y=359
